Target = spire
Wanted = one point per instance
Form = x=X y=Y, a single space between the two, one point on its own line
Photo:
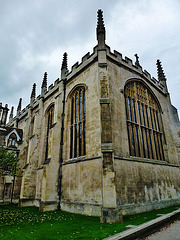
x=11 y=113
x=137 y=64
x=161 y=76
x=33 y=94
x=100 y=30
x=44 y=85
x=64 y=67
x=19 y=106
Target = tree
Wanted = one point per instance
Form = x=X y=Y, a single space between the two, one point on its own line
x=9 y=164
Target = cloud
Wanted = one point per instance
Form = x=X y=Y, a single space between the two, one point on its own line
x=35 y=34
x=149 y=28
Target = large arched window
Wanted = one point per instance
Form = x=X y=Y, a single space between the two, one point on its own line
x=143 y=122
x=50 y=122
x=78 y=123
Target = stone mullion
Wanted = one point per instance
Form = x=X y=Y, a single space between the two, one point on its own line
x=153 y=145
x=145 y=115
x=144 y=130
x=150 y=144
x=130 y=139
x=160 y=136
x=151 y=117
x=127 y=110
x=156 y=146
x=78 y=123
x=72 y=128
x=135 y=140
x=71 y=140
x=139 y=128
x=160 y=146
x=127 y=117
x=140 y=142
x=148 y=125
x=154 y=119
x=144 y=140
x=136 y=120
x=152 y=134
x=131 y=109
x=131 y=125
x=157 y=125
x=155 y=133
x=82 y=144
x=84 y=123
x=160 y=150
x=74 y=124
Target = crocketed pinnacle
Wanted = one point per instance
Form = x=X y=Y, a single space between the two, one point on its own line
x=100 y=30
x=100 y=22
x=64 y=62
x=160 y=72
x=11 y=113
x=19 y=106
x=33 y=94
x=44 y=83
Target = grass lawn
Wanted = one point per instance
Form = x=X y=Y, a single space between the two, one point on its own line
x=27 y=223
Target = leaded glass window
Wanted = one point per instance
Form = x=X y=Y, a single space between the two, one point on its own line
x=143 y=122
x=78 y=124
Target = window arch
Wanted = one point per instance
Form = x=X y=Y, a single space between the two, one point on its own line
x=143 y=122
x=78 y=123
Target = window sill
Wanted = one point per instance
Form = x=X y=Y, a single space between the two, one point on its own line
x=80 y=159
x=146 y=160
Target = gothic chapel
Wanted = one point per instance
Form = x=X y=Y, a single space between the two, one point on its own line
x=103 y=140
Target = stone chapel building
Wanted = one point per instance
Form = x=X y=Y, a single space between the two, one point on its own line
x=103 y=140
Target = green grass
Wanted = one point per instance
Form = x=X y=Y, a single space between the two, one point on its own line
x=27 y=223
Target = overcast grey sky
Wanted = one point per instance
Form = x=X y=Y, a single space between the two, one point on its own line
x=34 y=34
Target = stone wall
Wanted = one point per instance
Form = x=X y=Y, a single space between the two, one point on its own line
x=144 y=186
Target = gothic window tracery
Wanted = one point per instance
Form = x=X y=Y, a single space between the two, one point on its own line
x=78 y=123
x=143 y=122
